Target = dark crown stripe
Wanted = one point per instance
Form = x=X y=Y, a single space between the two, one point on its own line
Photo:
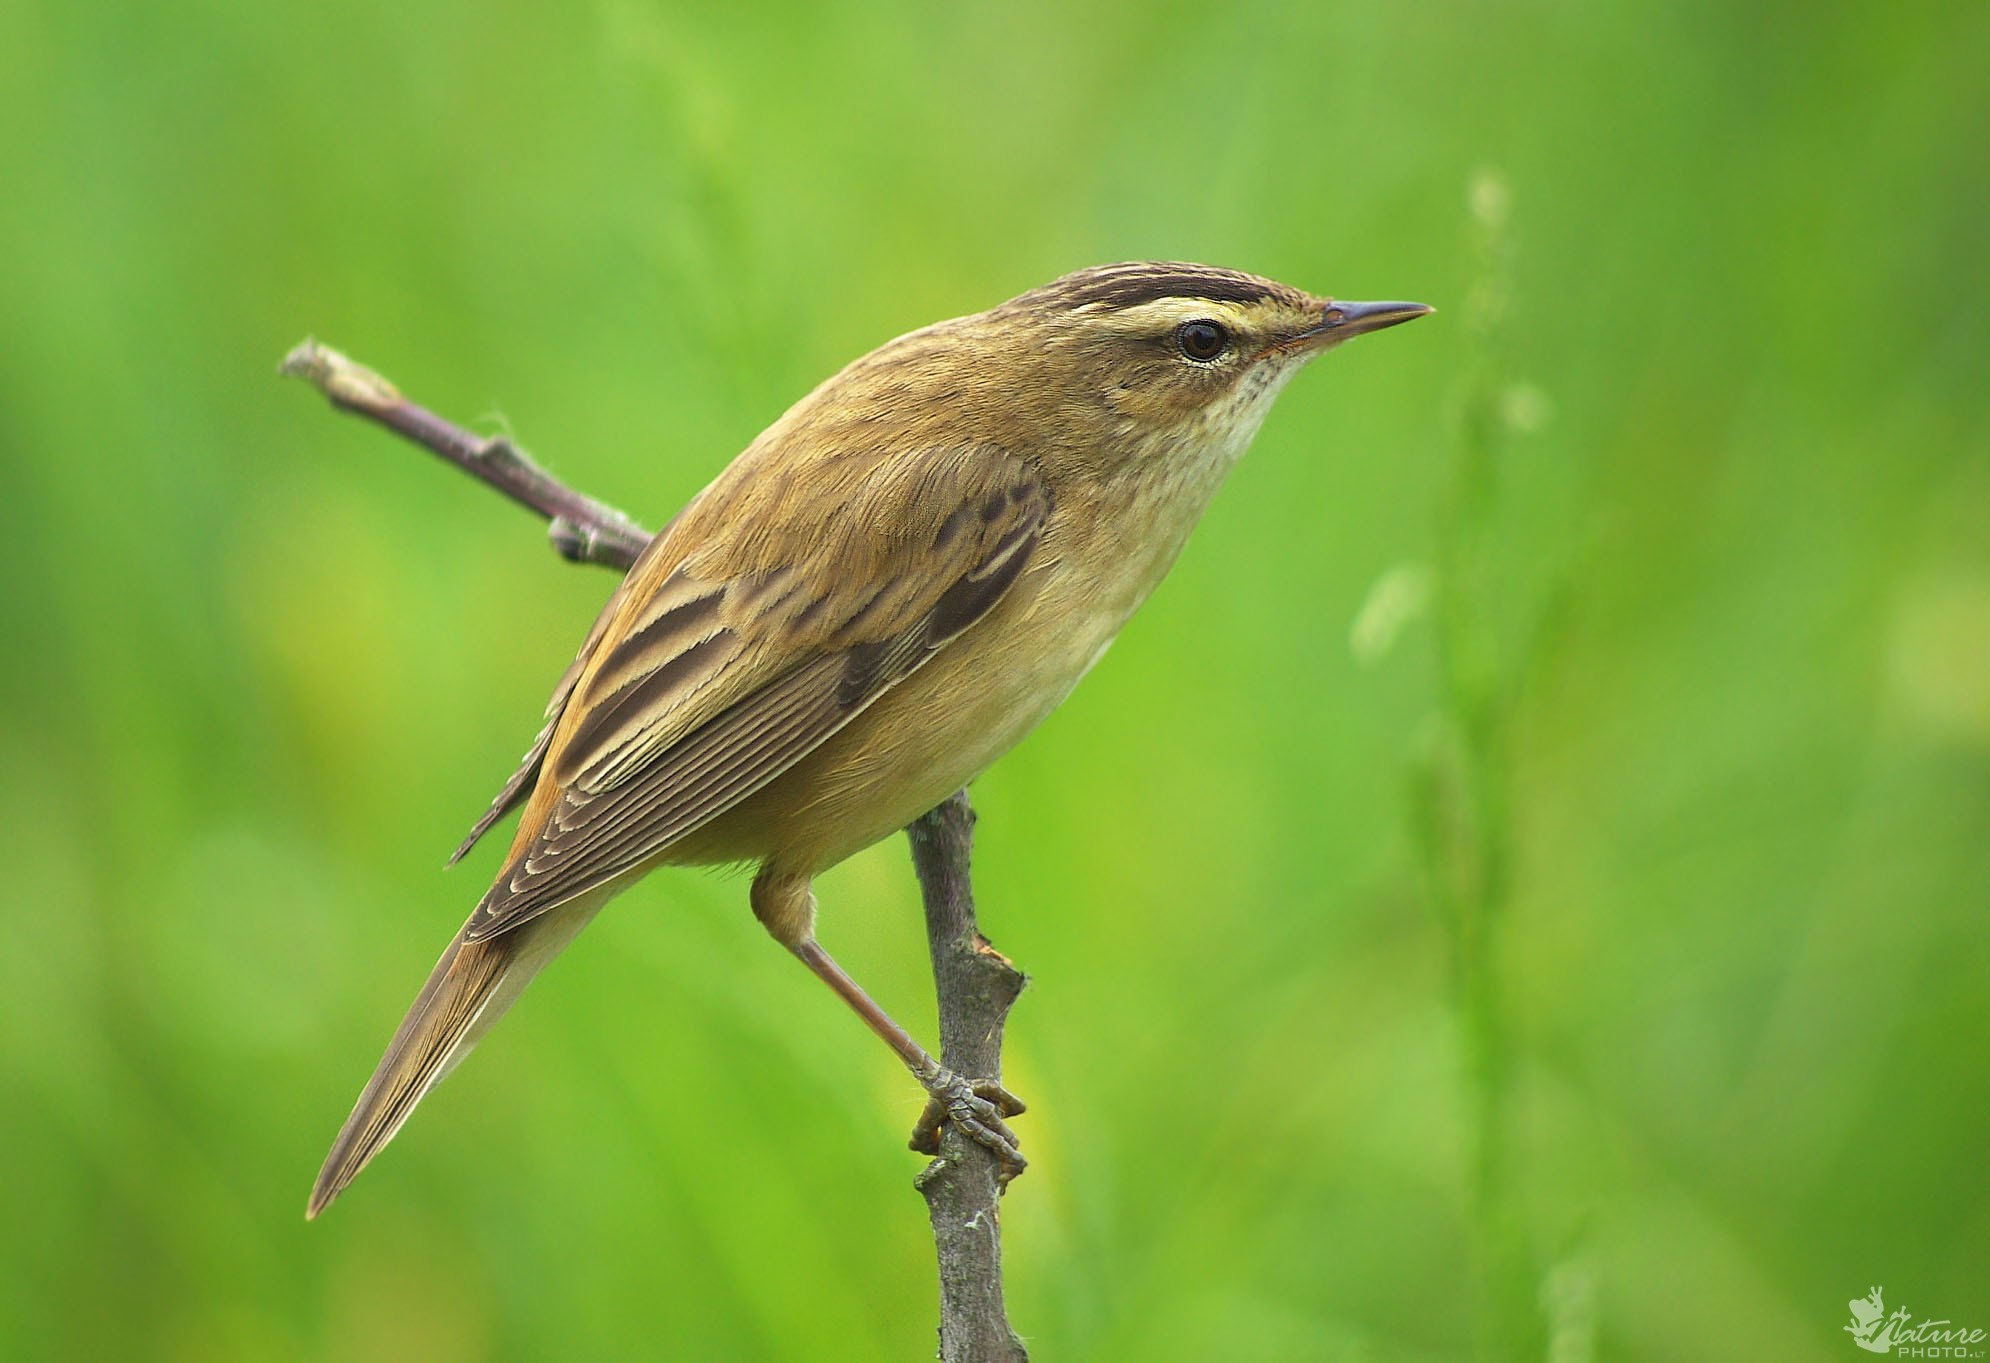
x=1129 y=285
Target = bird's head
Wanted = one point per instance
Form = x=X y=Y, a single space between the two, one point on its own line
x=1167 y=351
x=1136 y=365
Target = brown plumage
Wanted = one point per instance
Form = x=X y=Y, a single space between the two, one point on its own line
x=893 y=584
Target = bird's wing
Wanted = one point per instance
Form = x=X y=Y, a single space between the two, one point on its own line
x=766 y=619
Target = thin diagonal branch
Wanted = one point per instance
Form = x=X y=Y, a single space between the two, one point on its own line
x=582 y=530
x=976 y=985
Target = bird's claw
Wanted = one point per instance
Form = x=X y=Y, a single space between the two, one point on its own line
x=976 y=1107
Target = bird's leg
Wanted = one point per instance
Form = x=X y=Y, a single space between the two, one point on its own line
x=976 y=1106
x=786 y=908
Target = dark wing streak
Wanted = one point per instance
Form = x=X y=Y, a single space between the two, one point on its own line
x=683 y=623
x=620 y=733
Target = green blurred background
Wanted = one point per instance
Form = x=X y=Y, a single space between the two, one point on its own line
x=1518 y=891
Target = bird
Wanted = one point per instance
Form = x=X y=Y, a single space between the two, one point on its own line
x=883 y=593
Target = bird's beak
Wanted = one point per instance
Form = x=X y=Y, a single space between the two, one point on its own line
x=1343 y=321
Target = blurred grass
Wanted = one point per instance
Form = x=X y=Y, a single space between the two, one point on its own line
x=265 y=666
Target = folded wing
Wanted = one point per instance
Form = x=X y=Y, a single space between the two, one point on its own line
x=760 y=624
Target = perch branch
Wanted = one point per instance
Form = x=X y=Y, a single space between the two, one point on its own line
x=963 y=1187
x=975 y=984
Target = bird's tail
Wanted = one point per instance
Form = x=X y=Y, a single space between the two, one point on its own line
x=468 y=991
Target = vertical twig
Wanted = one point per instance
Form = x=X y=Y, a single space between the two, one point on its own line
x=963 y=1187
x=976 y=986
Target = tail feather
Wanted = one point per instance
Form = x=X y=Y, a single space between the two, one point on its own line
x=467 y=992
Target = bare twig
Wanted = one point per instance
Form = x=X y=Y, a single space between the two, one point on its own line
x=975 y=983
x=582 y=530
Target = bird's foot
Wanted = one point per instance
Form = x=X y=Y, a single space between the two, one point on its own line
x=976 y=1107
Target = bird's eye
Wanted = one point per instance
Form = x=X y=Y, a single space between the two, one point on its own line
x=1202 y=340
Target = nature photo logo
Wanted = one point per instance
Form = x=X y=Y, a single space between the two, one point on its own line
x=1876 y=1331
